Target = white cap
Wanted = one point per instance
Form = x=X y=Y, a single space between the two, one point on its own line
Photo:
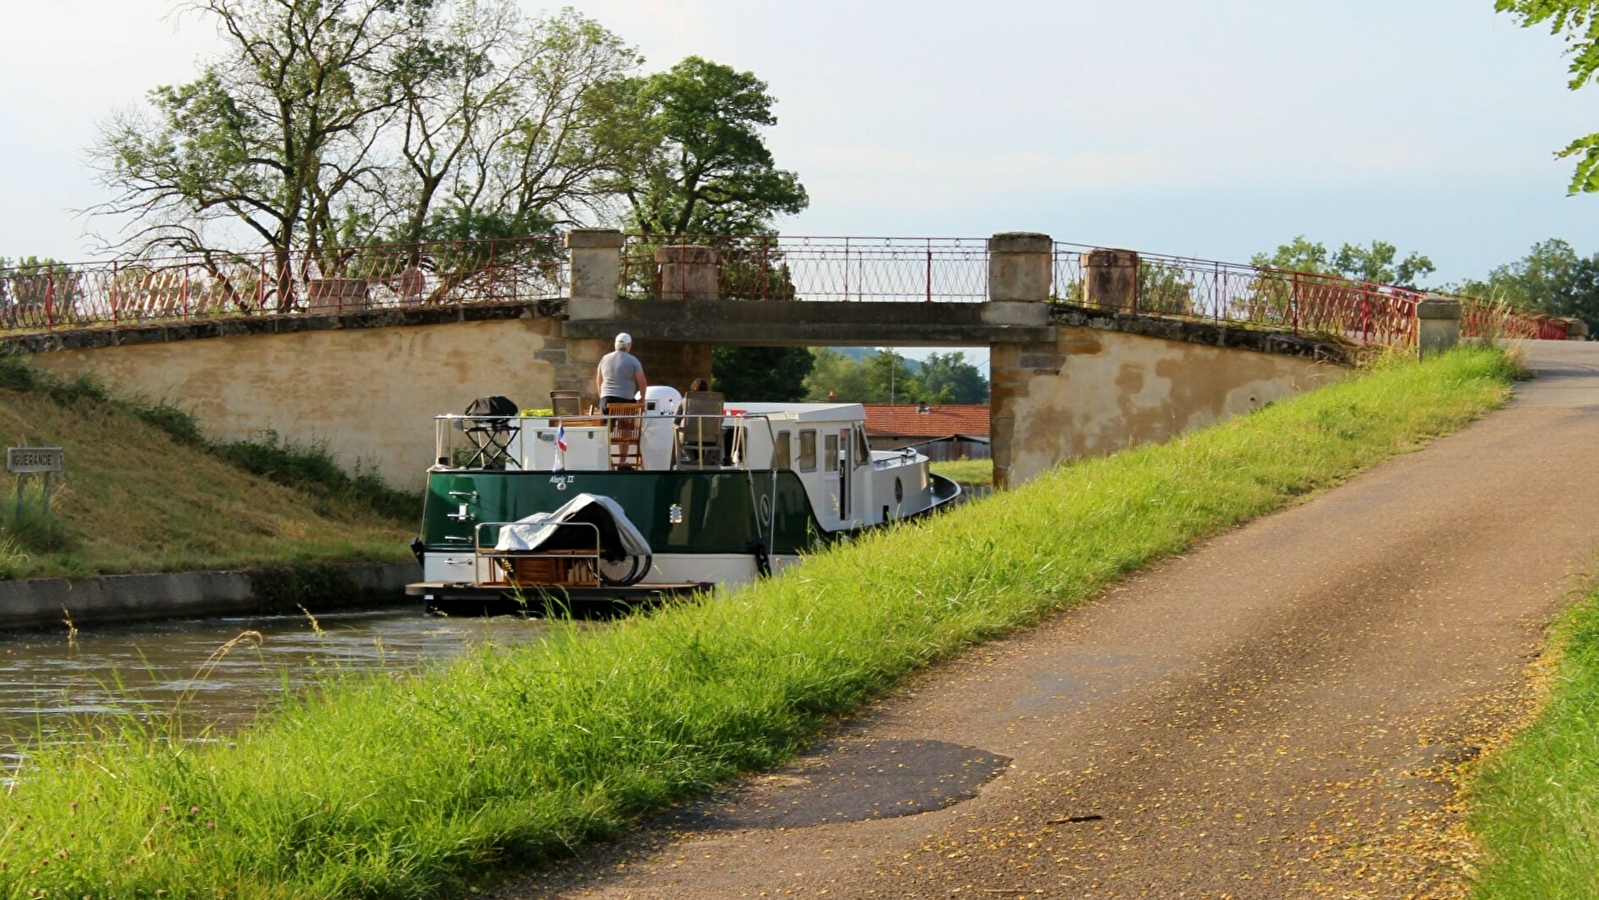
x=624 y=340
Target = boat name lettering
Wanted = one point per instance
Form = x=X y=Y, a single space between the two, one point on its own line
x=561 y=481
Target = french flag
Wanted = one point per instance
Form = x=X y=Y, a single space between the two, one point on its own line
x=560 y=447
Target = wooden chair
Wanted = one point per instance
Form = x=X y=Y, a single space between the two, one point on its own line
x=699 y=431
x=566 y=403
x=627 y=433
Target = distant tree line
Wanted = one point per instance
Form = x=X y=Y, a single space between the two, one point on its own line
x=887 y=377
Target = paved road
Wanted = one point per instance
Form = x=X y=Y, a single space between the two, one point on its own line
x=1275 y=714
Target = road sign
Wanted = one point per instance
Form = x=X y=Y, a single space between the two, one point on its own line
x=27 y=460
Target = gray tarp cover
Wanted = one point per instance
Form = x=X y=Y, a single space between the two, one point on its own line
x=542 y=531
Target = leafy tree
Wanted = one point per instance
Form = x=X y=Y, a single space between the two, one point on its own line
x=701 y=165
x=1378 y=263
x=889 y=379
x=274 y=135
x=1578 y=22
x=762 y=374
x=949 y=378
x=504 y=125
x=338 y=122
x=837 y=374
x=1552 y=278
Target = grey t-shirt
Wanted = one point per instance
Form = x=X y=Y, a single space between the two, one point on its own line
x=619 y=374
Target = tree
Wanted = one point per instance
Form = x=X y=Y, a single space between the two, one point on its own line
x=836 y=374
x=1552 y=278
x=701 y=165
x=761 y=374
x=949 y=378
x=1378 y=263
x=1578 y=22
x=329 y=122
x=273 y=135
x=889 y=379
x=503 y=123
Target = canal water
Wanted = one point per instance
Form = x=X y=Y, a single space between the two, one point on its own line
x=222 y=671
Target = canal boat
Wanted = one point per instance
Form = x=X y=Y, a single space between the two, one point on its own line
x=673 y=495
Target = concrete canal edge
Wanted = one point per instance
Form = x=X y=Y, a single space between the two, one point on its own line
x=261 y=591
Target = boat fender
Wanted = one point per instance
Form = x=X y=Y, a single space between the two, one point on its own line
x=763 y=560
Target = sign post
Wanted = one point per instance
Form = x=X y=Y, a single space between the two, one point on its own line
x=25 y=461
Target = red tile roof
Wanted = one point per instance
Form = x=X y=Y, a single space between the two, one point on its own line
x=903 y=420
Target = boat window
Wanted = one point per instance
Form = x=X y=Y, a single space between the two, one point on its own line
x=808 y=450
x=830 y=454
x=780 y=452
x=863 y=450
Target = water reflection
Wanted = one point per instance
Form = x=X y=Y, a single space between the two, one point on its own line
x=50 y=680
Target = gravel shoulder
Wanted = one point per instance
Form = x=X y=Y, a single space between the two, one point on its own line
x=1280 y=712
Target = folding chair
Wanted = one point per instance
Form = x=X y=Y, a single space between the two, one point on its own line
x=627 y=432
x=491 y=425
x=699 y=430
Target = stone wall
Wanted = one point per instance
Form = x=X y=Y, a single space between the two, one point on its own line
x=370 y=393
x=1093 y=392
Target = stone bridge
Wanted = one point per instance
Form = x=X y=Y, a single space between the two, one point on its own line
x=1085 y=359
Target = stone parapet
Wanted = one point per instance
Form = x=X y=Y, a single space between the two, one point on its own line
x=1110 y=279
x=596 y=271
x=687 y=272
x=1437 y=324
x=1020 y=267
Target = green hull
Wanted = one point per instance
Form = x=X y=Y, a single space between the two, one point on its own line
x=677 y=512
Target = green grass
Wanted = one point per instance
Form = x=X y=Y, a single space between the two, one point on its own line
x=145 y=491
x=1535 y=806
x=411 y=788
x=967 y=471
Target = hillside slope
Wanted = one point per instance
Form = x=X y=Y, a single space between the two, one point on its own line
x=138 y=498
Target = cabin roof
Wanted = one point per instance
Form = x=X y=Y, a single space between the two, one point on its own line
x=907 y=420
x=803 y=412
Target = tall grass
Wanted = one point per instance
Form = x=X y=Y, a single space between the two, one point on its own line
x=312 y=466
x=146 y=490
x=1535 y=806
x=406 y=789
x=307 y=465
x=967 y=471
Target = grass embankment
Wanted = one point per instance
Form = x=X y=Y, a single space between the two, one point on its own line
x=968 y=472
x=407 y=789
x=144 y=491
x=1535 y=805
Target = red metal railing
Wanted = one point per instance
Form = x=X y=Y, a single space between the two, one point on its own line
x=1235 y=294
x=1296 y=302
x=782 y=267
x=753 y=267
x=1484 y=319
x=458 y=273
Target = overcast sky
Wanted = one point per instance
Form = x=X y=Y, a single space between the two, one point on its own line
x=1195 y=128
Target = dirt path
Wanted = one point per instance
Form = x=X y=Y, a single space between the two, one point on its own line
x=1272 y=715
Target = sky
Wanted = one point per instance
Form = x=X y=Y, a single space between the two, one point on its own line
x=1189 y=128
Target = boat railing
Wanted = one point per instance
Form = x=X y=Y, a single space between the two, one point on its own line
x=575 y=567
x=595 y=442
